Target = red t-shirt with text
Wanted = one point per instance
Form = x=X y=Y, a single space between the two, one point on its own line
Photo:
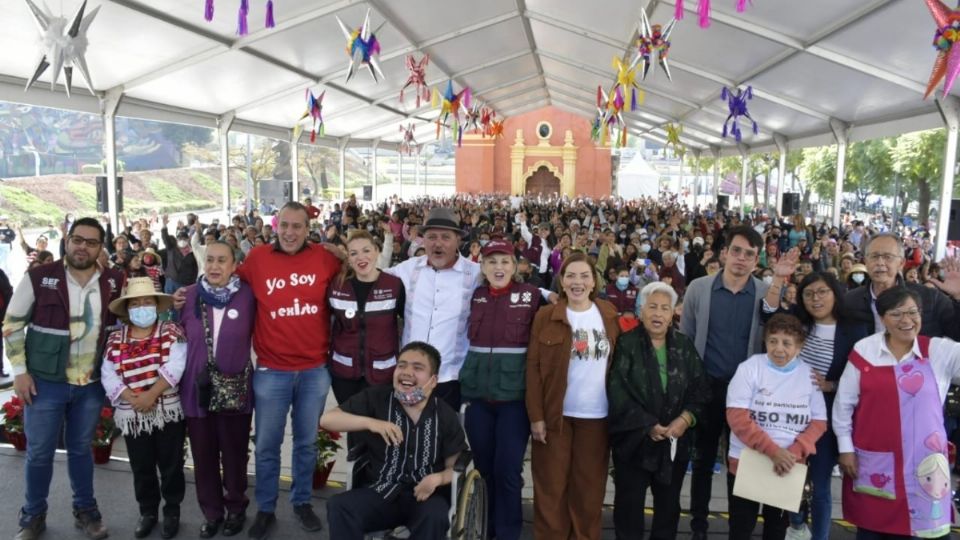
x=292 y=330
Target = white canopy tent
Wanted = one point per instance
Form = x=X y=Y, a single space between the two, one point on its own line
x=822 y=71
x=638 y=179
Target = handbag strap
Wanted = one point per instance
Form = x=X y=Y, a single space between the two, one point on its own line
x=207 y=336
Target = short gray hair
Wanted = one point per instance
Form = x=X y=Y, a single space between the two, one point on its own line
x=658 y=287
x=878 y=236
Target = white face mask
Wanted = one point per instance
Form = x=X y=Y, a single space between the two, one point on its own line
x=182 y=244
x=857 y=278
x=768 y=279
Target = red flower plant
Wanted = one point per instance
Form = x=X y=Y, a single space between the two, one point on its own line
x=106 y=428
x=13 y=415
x=327 y=446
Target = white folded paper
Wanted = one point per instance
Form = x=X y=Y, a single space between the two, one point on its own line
x=757 y=481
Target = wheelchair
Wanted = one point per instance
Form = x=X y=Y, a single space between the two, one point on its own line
x=468 y=505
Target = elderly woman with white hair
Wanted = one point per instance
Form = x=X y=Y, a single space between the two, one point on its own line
x=656 y=390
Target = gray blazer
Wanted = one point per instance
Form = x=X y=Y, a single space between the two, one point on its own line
x=696 y=313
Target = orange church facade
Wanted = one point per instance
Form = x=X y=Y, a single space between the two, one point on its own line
x=544 y=151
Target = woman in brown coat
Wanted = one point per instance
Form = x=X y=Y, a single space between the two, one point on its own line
x=570 y=351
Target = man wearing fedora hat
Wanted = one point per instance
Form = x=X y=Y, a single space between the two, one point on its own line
x=56 y=364
x=439 y=286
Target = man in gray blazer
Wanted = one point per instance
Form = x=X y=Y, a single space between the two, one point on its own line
x=721 y=315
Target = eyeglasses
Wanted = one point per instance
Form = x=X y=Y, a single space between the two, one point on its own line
x=819 y=293
x=887 y=258
x=79 y=241
x=899 y=315
x=739 y=252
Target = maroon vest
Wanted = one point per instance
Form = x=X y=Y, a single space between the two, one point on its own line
x=503 y=321
x=51 y=312
x=365 y=343
x=533 y=252
x=624 y=301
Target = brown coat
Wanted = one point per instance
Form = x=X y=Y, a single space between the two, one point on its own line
x=548 y=358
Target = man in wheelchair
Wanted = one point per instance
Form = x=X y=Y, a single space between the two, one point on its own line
x=412 y=442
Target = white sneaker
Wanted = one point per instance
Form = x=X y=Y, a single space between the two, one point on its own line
x=801 y=533
x=836 y=471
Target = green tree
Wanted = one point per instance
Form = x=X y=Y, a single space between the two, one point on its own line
x=819 y=170
x=918 y=159
x=869 y=169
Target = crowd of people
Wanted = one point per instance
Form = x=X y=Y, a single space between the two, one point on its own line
x=661 y=336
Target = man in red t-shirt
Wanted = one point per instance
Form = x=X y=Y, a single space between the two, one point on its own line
x=312 y=211
x=291 y=338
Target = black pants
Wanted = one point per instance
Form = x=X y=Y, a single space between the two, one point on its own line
x=743 y=517
x=160 y=450
x=631 y=494
x=450 y=392
x=711 y=427
x=353 y=513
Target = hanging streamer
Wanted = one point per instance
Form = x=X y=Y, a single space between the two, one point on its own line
x=270 y=23
x=242 y=29
x=703 y=10
x=208 y=10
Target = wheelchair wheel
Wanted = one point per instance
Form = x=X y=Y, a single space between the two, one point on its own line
x=471 y=523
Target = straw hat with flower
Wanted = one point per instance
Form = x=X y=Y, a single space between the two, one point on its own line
x=140 y=287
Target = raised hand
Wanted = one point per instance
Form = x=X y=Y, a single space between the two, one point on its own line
x=787 y=264
x=951 y=277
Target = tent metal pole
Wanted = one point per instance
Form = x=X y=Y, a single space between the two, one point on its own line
x=949 y=107
x=782 y=176
x=224 y=123
x=841 y=133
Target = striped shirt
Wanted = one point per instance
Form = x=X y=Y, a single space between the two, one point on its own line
x=817 y=351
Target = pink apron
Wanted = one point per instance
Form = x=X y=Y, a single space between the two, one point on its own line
x=903 y=479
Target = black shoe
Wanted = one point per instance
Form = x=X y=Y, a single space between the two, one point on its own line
x=209 y=528
x=145 y=526
x=698 y=535
x=307 y=518
x=171 y=526
x=262 y=525
x=234 y=524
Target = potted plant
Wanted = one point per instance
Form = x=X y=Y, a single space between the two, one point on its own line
x=103 y=436
x=327 y=447
x=13 y=423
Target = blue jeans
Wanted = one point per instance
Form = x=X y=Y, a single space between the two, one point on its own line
x=821 y=474
x=498 y=434
x=55 y=404
x=275 y=393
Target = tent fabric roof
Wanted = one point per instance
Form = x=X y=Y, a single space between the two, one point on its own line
x=863 y=63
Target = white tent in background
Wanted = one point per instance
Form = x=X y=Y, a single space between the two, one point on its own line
x=638 y=179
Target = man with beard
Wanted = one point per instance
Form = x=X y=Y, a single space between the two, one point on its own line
x=56 y=364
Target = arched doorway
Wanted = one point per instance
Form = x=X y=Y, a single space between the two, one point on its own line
x=543 y=182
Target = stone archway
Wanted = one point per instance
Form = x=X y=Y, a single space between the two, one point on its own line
x=542 y=182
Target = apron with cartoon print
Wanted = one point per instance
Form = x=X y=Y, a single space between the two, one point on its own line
x=903 y=476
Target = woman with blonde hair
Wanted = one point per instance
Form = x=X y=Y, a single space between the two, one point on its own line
x=366 y=305
x=570 y=350
x=493 y=379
